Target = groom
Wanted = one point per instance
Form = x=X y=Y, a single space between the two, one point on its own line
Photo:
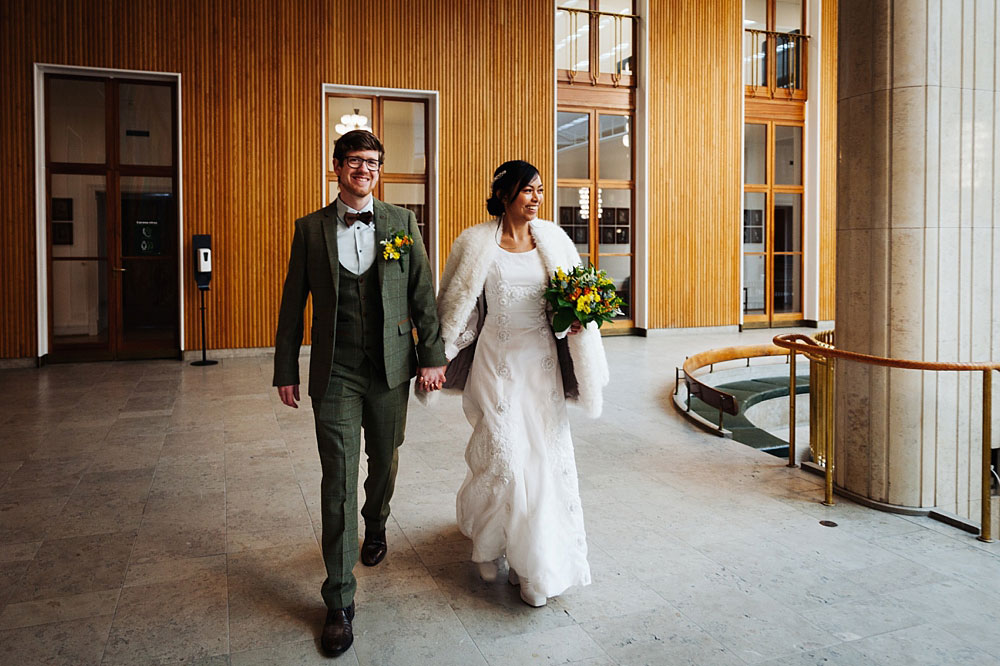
x=365 y=307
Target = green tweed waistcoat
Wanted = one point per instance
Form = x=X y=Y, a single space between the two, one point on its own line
x=359 y=319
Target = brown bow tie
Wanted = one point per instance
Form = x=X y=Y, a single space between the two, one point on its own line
x=351 y=218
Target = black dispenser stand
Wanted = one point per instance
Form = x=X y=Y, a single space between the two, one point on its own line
x=203 y=361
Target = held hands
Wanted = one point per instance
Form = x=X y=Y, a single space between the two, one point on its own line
x=289 y=395
x=430 y=379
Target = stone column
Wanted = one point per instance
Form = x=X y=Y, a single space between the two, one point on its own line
x=918 y=275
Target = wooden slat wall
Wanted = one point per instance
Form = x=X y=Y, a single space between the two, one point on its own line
x=252 y=72
x=828 y=165
x=17 y=188
x=695 y=92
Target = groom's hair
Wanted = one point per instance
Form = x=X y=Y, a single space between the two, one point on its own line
x=357 y=140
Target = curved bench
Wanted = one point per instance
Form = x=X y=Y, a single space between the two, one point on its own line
x=725 y=402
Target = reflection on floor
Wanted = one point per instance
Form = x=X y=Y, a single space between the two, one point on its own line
x=160 y=513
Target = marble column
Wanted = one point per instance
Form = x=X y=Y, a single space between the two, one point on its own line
x=918 y=241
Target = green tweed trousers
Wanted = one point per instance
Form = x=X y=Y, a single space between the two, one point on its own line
x=355 y=398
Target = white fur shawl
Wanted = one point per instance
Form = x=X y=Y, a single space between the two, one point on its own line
x=465 y=275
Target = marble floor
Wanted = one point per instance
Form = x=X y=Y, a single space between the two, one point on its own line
x=154 y=513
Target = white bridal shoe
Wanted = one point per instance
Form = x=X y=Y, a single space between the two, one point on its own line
x=488 y=571
x=529 y=594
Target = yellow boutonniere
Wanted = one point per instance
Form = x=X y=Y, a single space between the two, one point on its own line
x=396 y=245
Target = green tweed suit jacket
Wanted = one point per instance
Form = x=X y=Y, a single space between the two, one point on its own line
x=407 y=300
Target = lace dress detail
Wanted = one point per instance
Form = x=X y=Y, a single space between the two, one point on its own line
x=520 y=497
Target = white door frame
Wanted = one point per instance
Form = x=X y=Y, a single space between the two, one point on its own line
x=41 y=240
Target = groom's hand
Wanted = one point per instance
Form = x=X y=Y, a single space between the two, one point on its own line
x=430 y=379
x=289 y=395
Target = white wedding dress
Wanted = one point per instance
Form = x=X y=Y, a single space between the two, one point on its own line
x=520 y=497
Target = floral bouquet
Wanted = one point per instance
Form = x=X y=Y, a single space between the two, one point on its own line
x=585 y=294
x=396 y=245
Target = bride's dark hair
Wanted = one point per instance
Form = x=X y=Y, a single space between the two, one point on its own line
x=508 y=179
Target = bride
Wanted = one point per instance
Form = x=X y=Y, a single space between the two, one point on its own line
x=520 y=502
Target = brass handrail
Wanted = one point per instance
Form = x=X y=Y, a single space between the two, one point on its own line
x=814 y=349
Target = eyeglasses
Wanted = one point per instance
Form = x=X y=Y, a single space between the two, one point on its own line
x=355 y=162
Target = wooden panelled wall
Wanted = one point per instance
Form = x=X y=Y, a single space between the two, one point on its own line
x=695 y=91
x=252 y=72
x=828 y=165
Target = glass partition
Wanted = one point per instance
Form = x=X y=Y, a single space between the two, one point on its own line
x=79 y=274
x=754 y=297
x=754 y=153
x=146 y=124
x=77 y=214
x=149 y=289
x=787 y=222
x=615 y=37
x=754 y=238
x=412 y=196
x=404 y=136
x=574 y=216
x=614 y=147
x=344 y=114
x=787 y=278
x=573 y=144
x=619 y=269
x=76 y=118
x=787 y=16
x=774 y=32
x=573 y=37
x=787 y=155
x=614 y=208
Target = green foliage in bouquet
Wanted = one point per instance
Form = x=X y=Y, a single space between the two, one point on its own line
x=585 y=294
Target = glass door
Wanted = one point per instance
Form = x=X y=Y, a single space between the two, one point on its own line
x=772 y=223
x=595 y=193
x=401 y=125
x=111 y=161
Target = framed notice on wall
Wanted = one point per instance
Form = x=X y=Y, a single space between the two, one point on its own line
x=62 y=209
x=62 y=233
x=753 y=226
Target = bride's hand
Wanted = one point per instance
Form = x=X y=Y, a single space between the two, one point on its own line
x=575 y=328
x=431 y=379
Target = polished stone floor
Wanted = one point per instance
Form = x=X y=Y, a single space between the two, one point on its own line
x=155 y=513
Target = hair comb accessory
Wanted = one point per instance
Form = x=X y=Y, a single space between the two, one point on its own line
x=499 y=175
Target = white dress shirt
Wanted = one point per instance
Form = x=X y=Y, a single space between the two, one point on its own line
x=355 y=244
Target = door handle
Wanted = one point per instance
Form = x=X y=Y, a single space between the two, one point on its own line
x=120 y=270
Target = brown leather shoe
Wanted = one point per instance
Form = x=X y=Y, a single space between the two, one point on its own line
x=374 y=548
x=338 y=634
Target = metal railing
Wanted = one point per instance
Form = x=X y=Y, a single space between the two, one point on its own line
x=822 y=353
x=622 y=30
x=776 y=60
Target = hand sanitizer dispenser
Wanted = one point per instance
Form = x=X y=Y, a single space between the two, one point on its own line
x=202 y=244
x=205 y=260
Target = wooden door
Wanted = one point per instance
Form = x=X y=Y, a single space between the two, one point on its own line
x=112 y=241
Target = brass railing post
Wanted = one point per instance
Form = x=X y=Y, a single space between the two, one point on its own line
x=791 y=408
x=830 y=421
x=986 y=517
